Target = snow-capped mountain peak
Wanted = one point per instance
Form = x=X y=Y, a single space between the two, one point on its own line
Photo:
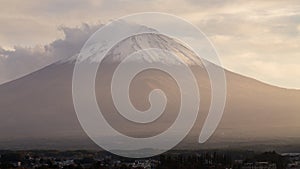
x=143 y=39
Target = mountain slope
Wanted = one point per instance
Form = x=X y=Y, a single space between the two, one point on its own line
x=39 y=105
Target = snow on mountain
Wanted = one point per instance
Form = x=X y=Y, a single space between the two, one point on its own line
x=156 y=41
x=144 y=38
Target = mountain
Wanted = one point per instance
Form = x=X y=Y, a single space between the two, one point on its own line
x=36 y=111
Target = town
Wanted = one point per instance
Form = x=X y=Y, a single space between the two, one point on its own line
x=175 y=159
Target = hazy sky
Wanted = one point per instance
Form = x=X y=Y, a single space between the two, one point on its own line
x=260 y=39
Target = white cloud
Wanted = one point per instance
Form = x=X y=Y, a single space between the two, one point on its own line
x=247 y=34
x=23 y=60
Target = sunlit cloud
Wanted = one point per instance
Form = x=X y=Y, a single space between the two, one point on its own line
x=23 y=60
x=259 y=39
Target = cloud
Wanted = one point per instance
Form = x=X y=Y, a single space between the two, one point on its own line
x=244 y=32
x=23 y=60
x=262 y=43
